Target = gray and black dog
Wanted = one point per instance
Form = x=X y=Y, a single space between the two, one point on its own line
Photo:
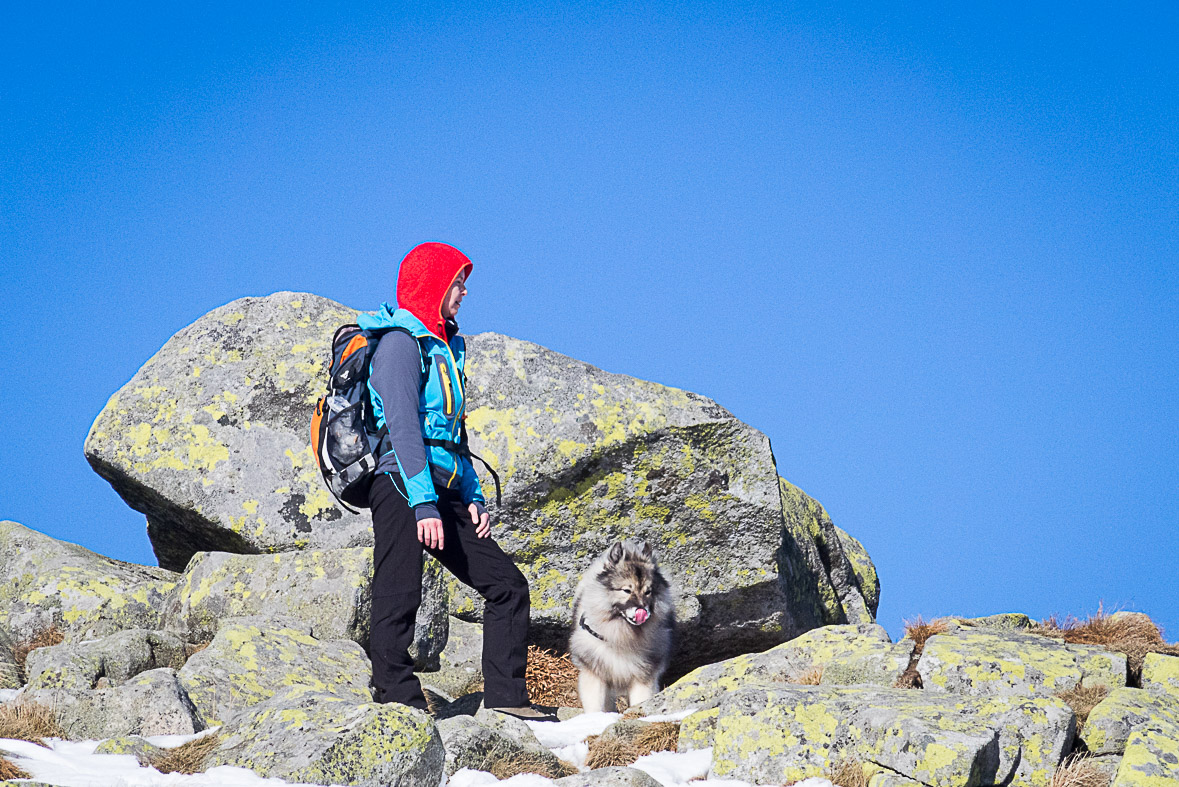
x=623 y=619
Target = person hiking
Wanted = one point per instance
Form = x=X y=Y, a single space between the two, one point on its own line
x=426 y=495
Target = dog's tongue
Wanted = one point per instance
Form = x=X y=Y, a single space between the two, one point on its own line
x=641 y=615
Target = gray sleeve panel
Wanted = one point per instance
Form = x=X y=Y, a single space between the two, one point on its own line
x=396 y=376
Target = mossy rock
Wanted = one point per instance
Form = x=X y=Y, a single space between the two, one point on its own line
x=210 y=440
x=845 y=654
x=785 y=734
x=49 y=583
x=137 y=746
x=117 y=658
x=476 y=744
x=325 y=738
x=987 y=662
x=252 y=660
x=1151 y=758
x=1112 y=721
x=151 y=703
x=1160 y=674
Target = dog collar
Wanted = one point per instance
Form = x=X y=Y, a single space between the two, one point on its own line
x=585 y=626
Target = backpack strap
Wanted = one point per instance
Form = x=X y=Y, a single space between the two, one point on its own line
x=462 y=449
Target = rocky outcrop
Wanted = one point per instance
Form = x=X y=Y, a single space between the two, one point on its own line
x=50 y=583
x=210 y=441
x=987 y=662
x=323 y=738
x=1112 y=721
x=785 y=734
x=252 y=660
x=116 y=659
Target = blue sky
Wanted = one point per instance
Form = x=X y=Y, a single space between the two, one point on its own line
x=931 y=253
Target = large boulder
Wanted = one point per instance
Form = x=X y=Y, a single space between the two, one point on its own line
x=151 y=703
x=834 y=655
x=210 y=440
x=323 y=738
x=1112 y=721
x=252 y=660
x=989 y=661
x=117 y=658
x=46 y=583
x=785 y=734
x=1151 y=758
x=1160 y=674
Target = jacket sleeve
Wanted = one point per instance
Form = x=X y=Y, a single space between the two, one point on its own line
x=395 y=377
x=471 y=491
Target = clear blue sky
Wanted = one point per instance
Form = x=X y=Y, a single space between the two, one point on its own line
x=931 y=253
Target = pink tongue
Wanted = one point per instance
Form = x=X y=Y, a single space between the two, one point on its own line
x=641 y=615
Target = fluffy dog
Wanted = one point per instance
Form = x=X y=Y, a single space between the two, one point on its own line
x=623 y=618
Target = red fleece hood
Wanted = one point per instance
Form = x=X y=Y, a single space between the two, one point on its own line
x=425 y=275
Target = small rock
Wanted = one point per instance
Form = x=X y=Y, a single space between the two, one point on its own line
x=609 y=777
x=110 y=660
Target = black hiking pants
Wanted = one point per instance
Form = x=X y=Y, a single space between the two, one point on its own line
x=397 y=593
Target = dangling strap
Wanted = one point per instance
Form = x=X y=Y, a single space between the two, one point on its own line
x=462 y=450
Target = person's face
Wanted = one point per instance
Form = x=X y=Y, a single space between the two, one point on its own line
x=454 y=297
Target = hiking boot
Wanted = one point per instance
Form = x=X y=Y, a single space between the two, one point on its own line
x=529 y=713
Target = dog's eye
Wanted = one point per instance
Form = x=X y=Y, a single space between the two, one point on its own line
x=626 y=590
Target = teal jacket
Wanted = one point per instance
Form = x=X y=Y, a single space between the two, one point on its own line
x=435 y=369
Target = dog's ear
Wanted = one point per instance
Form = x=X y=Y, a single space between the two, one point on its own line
x=615 y=553
x=646 y=550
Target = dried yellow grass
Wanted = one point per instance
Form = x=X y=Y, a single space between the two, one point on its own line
x=551 y=679
x=1133 y=635
x=812 y=677
x=847 y=773
x=505 y=767
x=1075 y=771
x=657 y=736
x=188 y=757
x=919 y=631
x=610 y=752
x=1083 y=699
x=42 y=639
x=29 y=721
x=10 y=770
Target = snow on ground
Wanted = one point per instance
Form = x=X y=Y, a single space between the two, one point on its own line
x=74 y=763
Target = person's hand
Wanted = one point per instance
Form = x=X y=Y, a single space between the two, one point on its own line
x=430 y=532
x=482 y=522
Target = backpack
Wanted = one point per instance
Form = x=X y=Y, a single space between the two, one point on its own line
x=345 y=439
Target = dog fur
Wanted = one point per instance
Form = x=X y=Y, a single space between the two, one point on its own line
x=626 y=658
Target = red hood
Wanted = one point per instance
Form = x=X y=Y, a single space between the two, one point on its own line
x=425 y=275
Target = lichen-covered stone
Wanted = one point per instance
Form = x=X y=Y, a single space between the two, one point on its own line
x=322 y=738
x=508 y=726
x=461 y=661
x=1014 y=621
x=589 y=457
x=609 y=777
x=1125 y=709
x=210 y=441
x=1160 y=674
x=888 y=779
x=988 y=662
x=252 y=660
x=49 y=583
x=698 y=731
x=846 y=654
x=785 y=734
x=151 y=703
x=1151 y=758
x=864 y=569
x=470 y=743
x=10 y=674
x=118 y=658
x=137 y=746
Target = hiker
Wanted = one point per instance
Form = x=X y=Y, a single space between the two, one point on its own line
x=426 y=495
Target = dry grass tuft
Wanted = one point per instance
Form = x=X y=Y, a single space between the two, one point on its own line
x=657 y=736
x=848 y=773
x=506 y=767
x=919 y=631
x=1083 y=699
x=10 y=770
x=551 y=679
x=193 y=648
x=187 y=757
x=1076 y=772
x=42 y=639
x=812 y=677
x=611 y=752
x=910 y=678
x=1133 y=635
x=29 y=721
